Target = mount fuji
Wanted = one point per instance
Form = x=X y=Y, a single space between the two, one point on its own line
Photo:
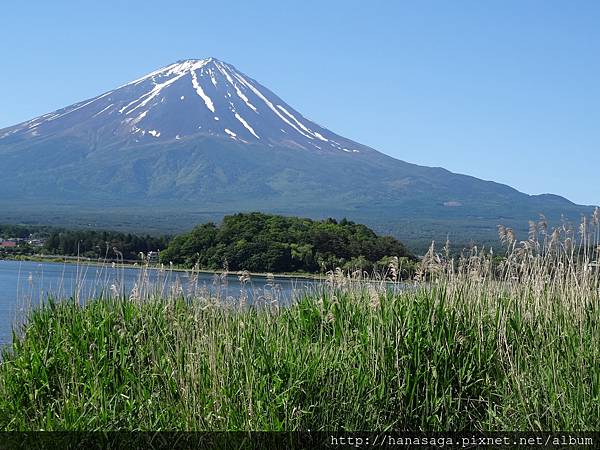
x=192 y=98
x=198 y=139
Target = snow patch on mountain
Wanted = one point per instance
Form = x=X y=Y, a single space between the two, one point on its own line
x=200 y=92
x=245 y=124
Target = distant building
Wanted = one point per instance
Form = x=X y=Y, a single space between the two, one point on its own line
x=8 y=244
x=153 y=257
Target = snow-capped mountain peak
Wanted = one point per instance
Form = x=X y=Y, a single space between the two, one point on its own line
x=187 y=98
x=198 y=138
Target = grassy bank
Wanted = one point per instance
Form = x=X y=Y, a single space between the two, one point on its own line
x=473 y=346
x=435 y=360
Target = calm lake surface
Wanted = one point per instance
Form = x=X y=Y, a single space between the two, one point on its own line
x=24 y=284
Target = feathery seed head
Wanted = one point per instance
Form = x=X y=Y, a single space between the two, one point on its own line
x=502 y=233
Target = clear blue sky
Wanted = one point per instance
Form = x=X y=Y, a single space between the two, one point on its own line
x=503 y=90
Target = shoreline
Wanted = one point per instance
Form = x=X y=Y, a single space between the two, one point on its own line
x=63 y=259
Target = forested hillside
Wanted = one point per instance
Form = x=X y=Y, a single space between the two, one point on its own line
x=102 y=244
x=269 y=243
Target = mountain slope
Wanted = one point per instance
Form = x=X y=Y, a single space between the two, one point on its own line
x=198 y=139
x=188 y=98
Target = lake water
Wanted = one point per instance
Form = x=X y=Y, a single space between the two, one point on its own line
x=24 y=284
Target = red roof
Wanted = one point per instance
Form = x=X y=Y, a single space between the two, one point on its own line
x=8 y=244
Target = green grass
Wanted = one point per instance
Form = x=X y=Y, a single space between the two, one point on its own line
x=449 y=356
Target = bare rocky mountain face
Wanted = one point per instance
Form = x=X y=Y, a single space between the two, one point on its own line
x=192 y=98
